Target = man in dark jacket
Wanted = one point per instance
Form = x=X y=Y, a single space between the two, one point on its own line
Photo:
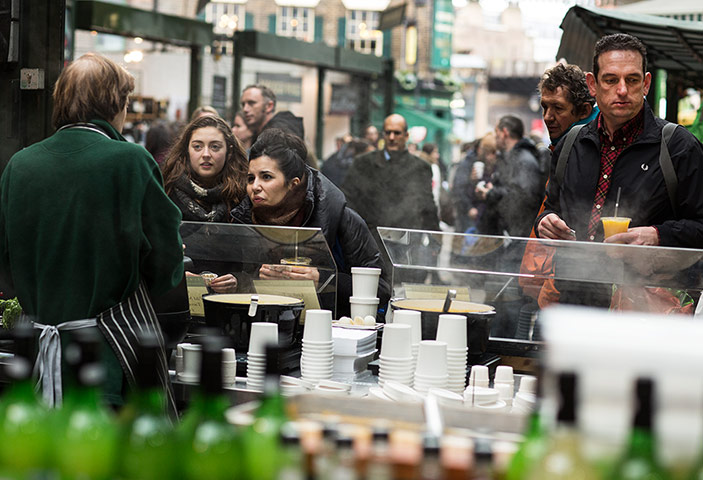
x=514 y=193
x=619 y=150
x=391 y=187
x=259 y=107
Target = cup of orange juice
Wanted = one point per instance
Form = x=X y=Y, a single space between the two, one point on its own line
x=613 y=225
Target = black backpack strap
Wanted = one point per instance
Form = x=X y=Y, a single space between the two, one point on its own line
x=564 y=154
x=667 y=167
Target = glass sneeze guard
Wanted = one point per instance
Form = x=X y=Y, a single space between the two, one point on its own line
x=490 y=270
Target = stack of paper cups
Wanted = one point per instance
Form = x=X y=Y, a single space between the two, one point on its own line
x=317 y=358
x=452 y=331
x=478 y=376
x=396 y=357
x=364 y=299
x=431 y=370
x=229 y=367
x=414 y=319
x=262 y=334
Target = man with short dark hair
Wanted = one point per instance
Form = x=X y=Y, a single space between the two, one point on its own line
x=258 y=104
x=619 y=151
x=513 y=195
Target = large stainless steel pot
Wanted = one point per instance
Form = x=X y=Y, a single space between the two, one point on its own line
x=479 y=317
x=234 y=314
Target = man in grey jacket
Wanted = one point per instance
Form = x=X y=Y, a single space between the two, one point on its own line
x=514 y=193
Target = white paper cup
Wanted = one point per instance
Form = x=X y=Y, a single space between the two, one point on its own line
x=361 y=307
x=432 y=359
x=365 y=281
x=191 y=360
x=528 y=384
x=318 y=326
x=412 y=318
x=479 y=376
x=479 y=168
x=504 y=374
x=262 y=334
x=396 y=341
x=451 y=329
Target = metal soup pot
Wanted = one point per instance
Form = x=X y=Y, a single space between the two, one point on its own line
x=478 y=315
x=234 y=313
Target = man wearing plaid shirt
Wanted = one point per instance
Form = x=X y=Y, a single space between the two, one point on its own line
x=619 y=150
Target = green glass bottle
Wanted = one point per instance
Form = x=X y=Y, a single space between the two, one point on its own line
x=209 y=447
x=264 y=434
x=86 y=442
x=533 y=446
x=639 y=461
x=24 y=431
x=147 y=431
x=563 y=459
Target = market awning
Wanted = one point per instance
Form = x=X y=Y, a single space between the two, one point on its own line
x=107 y=17
x=419 y=118
x=672 y=45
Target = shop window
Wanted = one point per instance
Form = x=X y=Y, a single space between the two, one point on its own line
x=362 y=32
x=296 y=22
x=226 y=17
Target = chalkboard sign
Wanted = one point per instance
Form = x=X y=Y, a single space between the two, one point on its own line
x=219 y=93
x=345 y=99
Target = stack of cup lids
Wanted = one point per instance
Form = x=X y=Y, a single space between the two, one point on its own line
x=364 y=299
x=396 y=361
x=262 y=334
x=317 y=358
x=431 y=370
x=484 y=398
x=414 y=319
x=451 y=329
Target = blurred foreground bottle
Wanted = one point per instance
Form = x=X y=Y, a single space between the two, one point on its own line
x=639 y=460
x=85 y=445
x=563 y=459
x=208 y=443
x=147 y=432
x=262 y=439
x=533 y=446
x=24 y=431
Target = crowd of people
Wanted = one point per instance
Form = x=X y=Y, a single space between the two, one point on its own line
x=90 y=222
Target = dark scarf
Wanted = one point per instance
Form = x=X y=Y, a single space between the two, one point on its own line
x=196 y=199
x=288 y=211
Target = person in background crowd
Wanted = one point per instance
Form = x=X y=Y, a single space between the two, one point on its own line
x=336 y=166
x=259 y=108
x=87 y=233
x=486 y=154
x=514 y=192
x=283 y=190
x=430 y=154
x=566 y=101
x=371 y=135
x=205 y=171
x=391 y=187
x=242 y=131
x=159 y=139
x=462 y=189
x=204 y=110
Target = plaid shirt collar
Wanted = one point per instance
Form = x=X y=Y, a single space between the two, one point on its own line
x=624 y=135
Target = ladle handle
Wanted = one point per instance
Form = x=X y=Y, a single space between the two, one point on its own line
x=451 y=295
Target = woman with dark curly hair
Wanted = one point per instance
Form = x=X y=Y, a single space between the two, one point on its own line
x=205 y=171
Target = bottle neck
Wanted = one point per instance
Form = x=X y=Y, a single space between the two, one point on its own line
x=642 y=442
x=150 y=400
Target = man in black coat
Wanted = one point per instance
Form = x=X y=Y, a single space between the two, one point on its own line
x=258 y=104
x=619 y=150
